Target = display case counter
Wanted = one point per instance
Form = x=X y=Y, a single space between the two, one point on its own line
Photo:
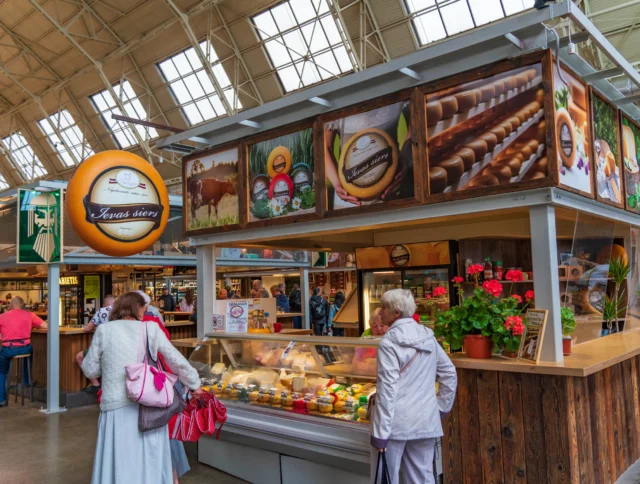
x=293 y=403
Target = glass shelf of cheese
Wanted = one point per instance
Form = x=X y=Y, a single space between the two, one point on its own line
x=323 y=377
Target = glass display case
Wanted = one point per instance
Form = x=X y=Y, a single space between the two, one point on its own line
x=300 y=377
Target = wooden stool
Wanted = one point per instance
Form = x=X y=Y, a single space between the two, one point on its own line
x=19 y=375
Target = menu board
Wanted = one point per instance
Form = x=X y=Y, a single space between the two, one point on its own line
x=531 y=340
x=211 y=190
x=630 y=155
x=488 y=132
x=368 y=157
x=281 y=176
x=572 y=131
x=606 y=149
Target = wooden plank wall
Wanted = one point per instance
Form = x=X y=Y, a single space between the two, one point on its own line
x=181 y=332
x=529 y=429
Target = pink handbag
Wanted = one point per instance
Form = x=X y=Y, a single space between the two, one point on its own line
x=147 y=385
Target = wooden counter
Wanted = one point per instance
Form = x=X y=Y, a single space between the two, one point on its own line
x=574 y=422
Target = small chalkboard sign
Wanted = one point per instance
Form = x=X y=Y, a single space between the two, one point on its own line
x=531 y=342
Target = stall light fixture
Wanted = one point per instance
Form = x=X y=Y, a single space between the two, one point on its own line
x=385 y=272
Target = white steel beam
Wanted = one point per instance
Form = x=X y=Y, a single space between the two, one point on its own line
x=53 y=341
x=206 y=277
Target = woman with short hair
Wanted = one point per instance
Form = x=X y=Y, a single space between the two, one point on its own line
x=406 y=410
x=123 y=453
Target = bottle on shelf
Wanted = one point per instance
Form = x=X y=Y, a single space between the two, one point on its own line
x=497 y=270
x=488 y=269
x=468 y=263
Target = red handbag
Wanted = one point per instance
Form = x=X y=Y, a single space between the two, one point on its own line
x=198 y=418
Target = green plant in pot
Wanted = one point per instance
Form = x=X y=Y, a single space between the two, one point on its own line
x=568 y=320
x=614 y=307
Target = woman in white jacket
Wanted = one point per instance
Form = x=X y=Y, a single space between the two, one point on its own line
x=407 y=410
x=124 y=454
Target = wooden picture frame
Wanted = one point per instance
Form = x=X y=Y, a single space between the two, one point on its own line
x=541 y=58
x=552 y=129
x=629 y=188
x=533 y=336
x=416 y=116
x=617 y=153
x=185 y=190
x=271 y=135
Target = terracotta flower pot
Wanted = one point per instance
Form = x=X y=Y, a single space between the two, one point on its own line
x=566 y=346
x=478 y=346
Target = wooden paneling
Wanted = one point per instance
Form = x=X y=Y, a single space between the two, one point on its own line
x=181 y=332
x=528 y=428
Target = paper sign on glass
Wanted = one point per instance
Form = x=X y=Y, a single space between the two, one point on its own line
x=237 y=317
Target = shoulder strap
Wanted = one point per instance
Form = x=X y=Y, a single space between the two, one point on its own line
x=141 y=343
x=409 y=362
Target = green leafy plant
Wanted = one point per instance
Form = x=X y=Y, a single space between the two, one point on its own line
x=308 y=198
x=605 y=123
x=568 y=320
x=561 y=98
x=403 y=130
x=615 y=306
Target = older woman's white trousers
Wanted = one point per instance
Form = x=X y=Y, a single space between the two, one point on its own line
x=413 y=457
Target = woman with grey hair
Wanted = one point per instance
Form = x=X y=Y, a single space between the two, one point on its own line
x=406 y=409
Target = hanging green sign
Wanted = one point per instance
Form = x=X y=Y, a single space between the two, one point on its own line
x=39 y=227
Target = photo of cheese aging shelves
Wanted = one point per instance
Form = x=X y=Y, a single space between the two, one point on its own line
x=487 y=132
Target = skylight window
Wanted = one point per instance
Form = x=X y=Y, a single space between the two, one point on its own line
x=304 y=42
x=3 y=183
x=23 y=157
x=192 y=87
x=72 y=136
x=437 y=20
x=106 y=106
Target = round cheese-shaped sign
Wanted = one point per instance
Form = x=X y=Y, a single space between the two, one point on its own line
x=117 y=203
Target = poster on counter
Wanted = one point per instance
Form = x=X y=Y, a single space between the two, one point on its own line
x=218 y=323
x=487 y=132
x=531 y=342
x=211 y=190
x=606 y=151
x=40 y=229
x=237 y=316
x=572 y=131
x=403 y=255
x=630 y=156
x=281 y=176
x=368 y=157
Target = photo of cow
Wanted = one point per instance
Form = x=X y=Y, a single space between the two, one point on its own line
x=212 y=190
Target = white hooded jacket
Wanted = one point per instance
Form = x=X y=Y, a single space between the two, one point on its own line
x=407 y=407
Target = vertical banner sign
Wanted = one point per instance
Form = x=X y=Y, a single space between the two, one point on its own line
x=40 y=231
x=237 y=317
x=91 y=295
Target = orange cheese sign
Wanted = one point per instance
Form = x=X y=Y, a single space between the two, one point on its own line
x=117 y=203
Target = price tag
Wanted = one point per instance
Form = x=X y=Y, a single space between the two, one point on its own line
x=287 y=350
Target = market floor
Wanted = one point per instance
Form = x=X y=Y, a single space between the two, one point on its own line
x=37 y=448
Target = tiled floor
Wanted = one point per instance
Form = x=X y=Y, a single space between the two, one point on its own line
x=39 y=448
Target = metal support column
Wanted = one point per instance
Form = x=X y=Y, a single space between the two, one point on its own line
x=206 y=277
x=304 y=296
x=546 y=282
x=53 y=341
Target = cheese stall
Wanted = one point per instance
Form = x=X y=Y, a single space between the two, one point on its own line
x=497 y=155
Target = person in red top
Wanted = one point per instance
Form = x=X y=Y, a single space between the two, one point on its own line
x=15 y=333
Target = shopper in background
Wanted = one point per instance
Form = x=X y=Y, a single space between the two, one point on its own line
x=338 y=301
x=123 y=453
x=319 y=312
x=376 y=327
x=188 y=303
x=15 y=333
x=256 y=290
x=223 y=294
x=295 y=305
x=167 y=301
x=274 y=290
x=282 y=301
x=101 y=317
x=406 y=411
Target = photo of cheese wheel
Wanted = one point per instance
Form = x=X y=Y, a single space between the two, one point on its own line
x=514 y=164
x=537 y=174
x=506 y=125
x=368 y=163
x=542 y=165
x=578 y=93
x=610 y=164
x=501 y=172
x=515 y=122
x=531 y=74
x=498 y=87
x=521 y=79
x=526 y=152
x=487 y=93
x=479 y=147
x=453 y=166
x=449 y=106
x=533 y=144
x=434 y=113
x=509 y=83
x=491 y=140
x=540 y=96
x=522 y=115
x=484 y=181
x=437 y=179
x=279 y=161
x=577 y=114
x=478 y=94
x=500 y=133
x=541 y=131
x=468 y=157
x=466 y=100
x=565 y=138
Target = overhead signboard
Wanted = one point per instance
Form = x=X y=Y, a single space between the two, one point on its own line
x=403 y=255
x=40 y=229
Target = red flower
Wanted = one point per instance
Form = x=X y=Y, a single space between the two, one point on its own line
x=517 y=298
x=513 y=323
x=416 y=318
x=475 y=269
x=457 y=280
x=513 y=276
x=518 y=329
x=529 y=295
x=439 y=291
x=492 y=287
x=428 y=296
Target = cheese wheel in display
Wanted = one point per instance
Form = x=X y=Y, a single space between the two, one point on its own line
x=478 y=94
x=484 y=181
x=479 y=147
x=578 y=93
x=466 y=100
x=501 y=172
x=437 y=179
x=531 y=74
x=499 y=87
x=542 y=165
x=434 y=113
x=449 y=106
x=500 y=133
x=468 y=157
x=514 y=165
x=487 y=92
x=117 y=203
x=515 y=122
x=368 y=163
x=506 y=125
x=526 y=152
x=279 y=161
x=509 y=83
x=566 y=138
x=454 y=168
x=540 y=96
x=533 y=144
x=491 y=140
x=577 y=114
x=522 y=115
x=521 y=79
x=541 y=131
